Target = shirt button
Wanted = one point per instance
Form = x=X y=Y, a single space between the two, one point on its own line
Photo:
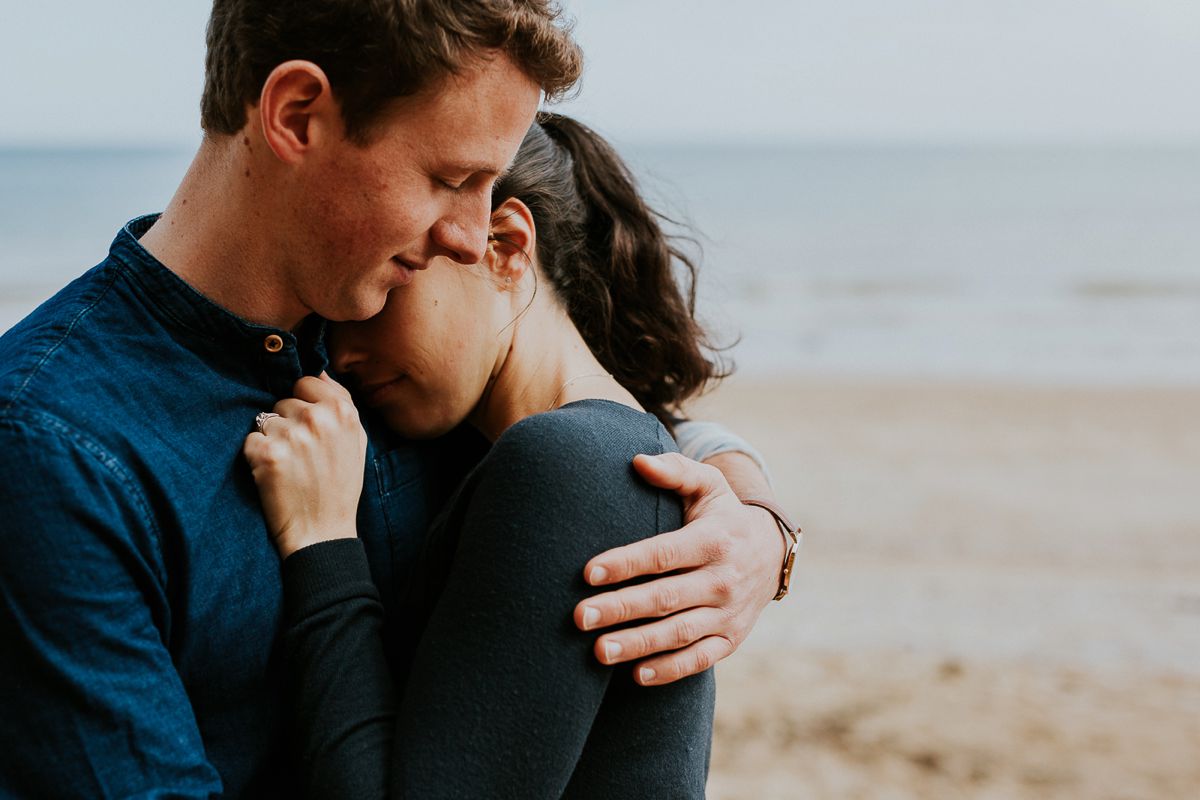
x=273 y=343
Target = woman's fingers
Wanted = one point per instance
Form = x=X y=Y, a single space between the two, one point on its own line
x=664 y=635
x=290 y=408
x=252 y=448
x=325 y=411
x=315 y=390
x=308 y=465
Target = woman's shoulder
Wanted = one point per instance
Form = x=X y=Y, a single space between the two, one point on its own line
x=587 y=435
x=597 y=426
x=573 y=466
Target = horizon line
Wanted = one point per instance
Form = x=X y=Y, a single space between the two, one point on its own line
x=165 y=147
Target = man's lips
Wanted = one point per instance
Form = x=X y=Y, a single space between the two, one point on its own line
x=407 y=269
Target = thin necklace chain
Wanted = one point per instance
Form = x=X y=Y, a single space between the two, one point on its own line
x=569 y=381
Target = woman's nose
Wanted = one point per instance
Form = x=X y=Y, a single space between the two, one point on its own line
x=345 y=353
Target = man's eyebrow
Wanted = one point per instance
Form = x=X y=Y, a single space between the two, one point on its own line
x=485 y=169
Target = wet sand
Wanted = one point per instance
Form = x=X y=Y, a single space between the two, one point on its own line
x=999 y=595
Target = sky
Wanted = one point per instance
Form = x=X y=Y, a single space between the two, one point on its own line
x=77 y=73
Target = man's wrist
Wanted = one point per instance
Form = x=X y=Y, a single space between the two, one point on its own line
x=791 y=540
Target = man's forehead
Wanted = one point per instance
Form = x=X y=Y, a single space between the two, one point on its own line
x=469 y=143
x=472 y=118
x=464 y=152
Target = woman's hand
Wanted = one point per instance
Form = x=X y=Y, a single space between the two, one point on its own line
x=308 y=464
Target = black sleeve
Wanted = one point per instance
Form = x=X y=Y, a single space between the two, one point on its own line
x=343 y=702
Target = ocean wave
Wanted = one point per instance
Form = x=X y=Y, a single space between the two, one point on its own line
x=1122 y=289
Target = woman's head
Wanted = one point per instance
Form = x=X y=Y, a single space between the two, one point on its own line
x=604 y=253
x=569 y=229
x=425 y=361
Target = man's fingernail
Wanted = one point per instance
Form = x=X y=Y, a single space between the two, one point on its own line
x=646 y=674
x=597 y=574
x=612 y=651
x=591 y=616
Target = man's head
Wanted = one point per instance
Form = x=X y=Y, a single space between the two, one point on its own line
x=375 y=51
x=370 y=132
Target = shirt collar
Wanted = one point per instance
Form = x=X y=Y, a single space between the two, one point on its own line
x=184 y=308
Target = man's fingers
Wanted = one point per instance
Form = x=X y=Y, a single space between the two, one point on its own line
x=666 y=552
x=659 y=598
x=691 y=660
x=674 y=632
x=679 y=473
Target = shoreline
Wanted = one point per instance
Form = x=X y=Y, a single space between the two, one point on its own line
x=1070 y=476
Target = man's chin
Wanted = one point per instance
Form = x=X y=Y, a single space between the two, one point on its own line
x=361 y=309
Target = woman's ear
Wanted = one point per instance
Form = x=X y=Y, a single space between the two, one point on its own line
x=297 y=110
x=512 y=242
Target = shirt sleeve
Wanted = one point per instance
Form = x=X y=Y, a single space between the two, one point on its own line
x=339 y=687
x=700 y=441
x=93 y=705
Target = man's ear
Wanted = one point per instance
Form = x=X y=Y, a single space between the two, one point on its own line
x=297 y=110
x=512 y=242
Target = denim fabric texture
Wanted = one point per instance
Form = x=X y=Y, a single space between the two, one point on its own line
x=140 y=595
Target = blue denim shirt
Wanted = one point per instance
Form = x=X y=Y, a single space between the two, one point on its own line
x=141 y=595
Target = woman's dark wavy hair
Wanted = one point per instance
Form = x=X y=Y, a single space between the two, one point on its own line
x=611 y=263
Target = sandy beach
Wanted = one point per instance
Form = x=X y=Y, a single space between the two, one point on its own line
x=999 y=595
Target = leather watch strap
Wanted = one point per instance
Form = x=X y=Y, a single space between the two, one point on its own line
x=791 y=539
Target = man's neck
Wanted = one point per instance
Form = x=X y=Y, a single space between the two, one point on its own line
x=216 y=234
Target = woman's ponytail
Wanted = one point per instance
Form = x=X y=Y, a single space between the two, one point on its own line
x=612 y=265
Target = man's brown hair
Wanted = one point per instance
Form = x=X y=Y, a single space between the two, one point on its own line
x=374 y=51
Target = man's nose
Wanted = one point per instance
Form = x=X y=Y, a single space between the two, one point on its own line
x=463 y=235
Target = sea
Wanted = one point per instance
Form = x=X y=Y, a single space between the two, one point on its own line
x=1039 y=265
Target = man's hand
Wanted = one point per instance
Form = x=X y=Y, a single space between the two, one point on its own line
x=725 y=569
